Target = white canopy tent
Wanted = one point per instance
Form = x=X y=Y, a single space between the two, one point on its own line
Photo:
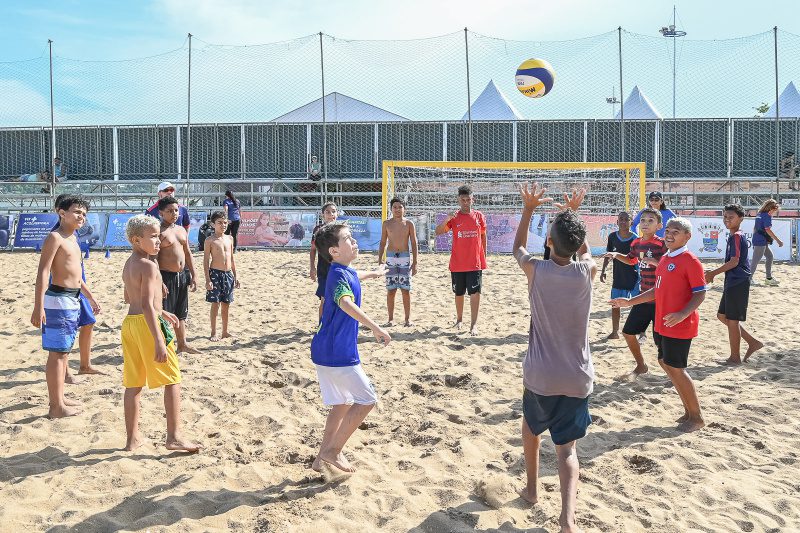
x=788 y=102
x=339 y=108
x=638 y=107
x=492 y=104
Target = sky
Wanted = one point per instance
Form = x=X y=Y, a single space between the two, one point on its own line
x=93 y=84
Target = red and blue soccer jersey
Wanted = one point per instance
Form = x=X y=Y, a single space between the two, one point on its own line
x=678 y=277
x=737 y=247
x=653 y=247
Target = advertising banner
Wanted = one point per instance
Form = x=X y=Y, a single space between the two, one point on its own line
x=6 y=224
x=32 y=229
x=115 y=231
x=195 y=221
x=93 y=232
x=278 y=229
x=367 y=232
x=710 y=235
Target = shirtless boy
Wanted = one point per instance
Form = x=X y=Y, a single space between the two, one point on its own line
x=220 y=271
x=57 y=307
x=177 y=268
x=401 y=266
x=148 y=342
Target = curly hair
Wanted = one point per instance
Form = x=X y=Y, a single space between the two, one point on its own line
x=567 y=233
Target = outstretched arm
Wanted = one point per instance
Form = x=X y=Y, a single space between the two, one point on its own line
x=531 y=199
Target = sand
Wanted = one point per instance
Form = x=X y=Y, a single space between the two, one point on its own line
x=443 y=452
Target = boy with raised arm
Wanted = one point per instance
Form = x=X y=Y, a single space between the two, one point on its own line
x=148 y=342
x=467 y=256
x=177 y=268
x=401 y=266
x=57 y=306
x=647 y=250
x=557 y=372
x=679 y=289
x=220 y=270
x=344 y=385
x=736 y=291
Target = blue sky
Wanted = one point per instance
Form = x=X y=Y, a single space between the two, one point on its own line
x=97 y=32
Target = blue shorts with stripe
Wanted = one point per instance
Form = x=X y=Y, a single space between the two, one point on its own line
x=62 y=310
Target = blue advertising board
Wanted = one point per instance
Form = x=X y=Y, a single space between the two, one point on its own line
x=33 y=228
x=6 y=223
x=367 y=232
x=115 y=232
x=93 y=232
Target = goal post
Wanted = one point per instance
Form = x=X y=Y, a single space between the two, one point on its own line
x=429 y=188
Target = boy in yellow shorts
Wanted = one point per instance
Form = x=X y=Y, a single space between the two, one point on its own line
x=148 y=340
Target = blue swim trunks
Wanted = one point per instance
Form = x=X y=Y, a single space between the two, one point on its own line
x=222 y=286
x=62 y=309
x=625 y=293
x=398 y=271
x=86 y=317
x=566 y=417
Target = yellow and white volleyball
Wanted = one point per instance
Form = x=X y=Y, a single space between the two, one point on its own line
x=535 y=78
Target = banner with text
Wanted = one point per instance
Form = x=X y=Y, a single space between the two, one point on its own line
x=115 y=232
x=366 y=231
x=710 y=236
x=276 y=229
x=6 y=224
x=32 y=229
x=93 y=232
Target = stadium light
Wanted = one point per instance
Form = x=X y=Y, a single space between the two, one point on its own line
x=673 y=33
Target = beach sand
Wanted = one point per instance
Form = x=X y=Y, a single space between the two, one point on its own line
x=442 y=453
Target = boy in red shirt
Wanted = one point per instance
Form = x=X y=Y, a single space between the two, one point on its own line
x=680 y=288
x=467 y=256
x=646 y=251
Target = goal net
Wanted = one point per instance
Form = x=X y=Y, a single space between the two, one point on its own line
x=429 y=189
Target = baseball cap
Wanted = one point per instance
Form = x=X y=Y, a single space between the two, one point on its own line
x=164 y=185
x=655 y=194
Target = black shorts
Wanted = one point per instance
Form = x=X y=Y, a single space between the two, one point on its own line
x=566 y=417
x=177 y=301
x=639 y=318
x=734 y=301
x=674 y=352
x=467 y=282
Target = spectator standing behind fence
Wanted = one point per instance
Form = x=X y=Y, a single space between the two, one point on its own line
x=59 y=169
x=787 y=170
x=165 y=189
x=763 y=236
x=231 y=206
x=656 y=200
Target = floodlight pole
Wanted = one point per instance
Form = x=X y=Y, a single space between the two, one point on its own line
x=189 y=124
x=777 y=118
x=324 y=188
x=52 y=129
x=469 y=98
x=622 y=106
x=673 y=33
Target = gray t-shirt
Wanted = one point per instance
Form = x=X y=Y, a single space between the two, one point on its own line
x=559 y=361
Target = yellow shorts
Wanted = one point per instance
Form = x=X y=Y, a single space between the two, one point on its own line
x=138 y=356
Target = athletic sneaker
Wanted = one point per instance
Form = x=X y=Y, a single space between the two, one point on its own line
x=771 y=282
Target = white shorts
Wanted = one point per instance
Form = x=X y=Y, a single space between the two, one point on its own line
x=345 y=385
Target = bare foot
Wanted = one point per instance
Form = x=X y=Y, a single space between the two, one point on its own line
x=72 y=403
x=570 y=528
x=683 y=419
x=64 y=411
x=752 y=348
x=691 y=424
x=69 y=379
x=633 y=374
x=213 y=338
x=185 y=348
x=338 y=462
x=528 y=495
x=133 y=443
x=389 y=324
x=316 y=466
x=226 y=335
x=731 y=361
x=458 y=325
x=181 y=445
x=408 y=324
x=473 y=331
x=90 y=370
x=612 y=335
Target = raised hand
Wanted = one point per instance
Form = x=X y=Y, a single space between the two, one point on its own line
x=533 y=198
x=573 y=201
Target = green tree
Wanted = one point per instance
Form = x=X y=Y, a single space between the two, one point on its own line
x=763 y=108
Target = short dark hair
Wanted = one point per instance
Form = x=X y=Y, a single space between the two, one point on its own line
x=59 y=199
x=465 y=190
x=326 y=205
x=568 y=233
x=650 y=211
x=328 y=236
x=216 y=215
x=69 y=200
x=736 y=208
x=166 y=202
x=396 y=200
x=296 y=231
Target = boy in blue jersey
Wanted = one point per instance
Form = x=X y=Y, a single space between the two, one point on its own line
x=736 y=291
x=343 y=384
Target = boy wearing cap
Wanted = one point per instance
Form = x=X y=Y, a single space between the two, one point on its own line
x=656 y=201
x=165 y=189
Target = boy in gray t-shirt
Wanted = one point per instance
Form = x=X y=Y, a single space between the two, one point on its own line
x=557 y=371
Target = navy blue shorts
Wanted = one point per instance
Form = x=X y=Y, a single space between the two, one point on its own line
x=321 y=287
x=221 y=286
x=86 y=318
x=566 y=417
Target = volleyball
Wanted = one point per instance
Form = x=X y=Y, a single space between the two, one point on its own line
x=535 y=78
